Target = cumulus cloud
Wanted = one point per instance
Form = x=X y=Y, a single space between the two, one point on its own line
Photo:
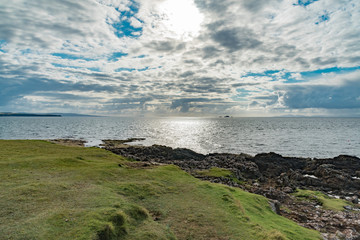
x=341 y=93
x=131 y=56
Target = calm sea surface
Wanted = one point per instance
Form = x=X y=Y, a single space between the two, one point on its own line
x=303 y=137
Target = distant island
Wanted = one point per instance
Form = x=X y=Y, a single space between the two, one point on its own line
x=28 y=115
x=10 y=114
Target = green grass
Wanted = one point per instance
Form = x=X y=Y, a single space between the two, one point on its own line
x=325 y=201
x=48 y=191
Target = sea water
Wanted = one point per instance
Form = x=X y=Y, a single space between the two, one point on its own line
x=302 y=137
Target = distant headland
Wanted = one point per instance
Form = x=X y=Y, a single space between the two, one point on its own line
x=10 y=114
x=28 y=115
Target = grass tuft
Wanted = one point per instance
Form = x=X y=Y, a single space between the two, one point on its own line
x=106 y=233
x=138 y=213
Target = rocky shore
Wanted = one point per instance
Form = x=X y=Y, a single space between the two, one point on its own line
x=330 y=181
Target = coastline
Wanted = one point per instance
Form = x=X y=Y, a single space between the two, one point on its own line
x=320 y=194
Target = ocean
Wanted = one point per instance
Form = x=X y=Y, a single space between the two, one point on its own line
x=299 y=137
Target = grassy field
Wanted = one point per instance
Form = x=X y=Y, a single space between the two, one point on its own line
x=49 y=191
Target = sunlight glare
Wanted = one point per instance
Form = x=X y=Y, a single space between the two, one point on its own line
x=182 y=18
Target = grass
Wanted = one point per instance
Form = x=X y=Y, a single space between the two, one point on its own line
x=48 y=191
x=322 y=199
x=216 y=172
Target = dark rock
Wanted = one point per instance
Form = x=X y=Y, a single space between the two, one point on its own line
x=355 y=199
x=275 y=206
x=288 y=190
x=348 y=207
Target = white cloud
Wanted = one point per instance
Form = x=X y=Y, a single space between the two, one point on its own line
x=170 y=59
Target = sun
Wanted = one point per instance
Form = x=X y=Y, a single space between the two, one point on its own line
x=181 y=18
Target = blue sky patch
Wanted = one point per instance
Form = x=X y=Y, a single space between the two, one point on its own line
x=288 y=76
x=319 y=72
x=71 y=57
x=141 y=56
x=304 y=3
x=64 y=66
x=2 y=44
x=242 y=94
x=116 y=55
x=267 y=73
x=26 y=51
x=125 y=70
x=143 y=69
x=131 y=69
x=123 y=27
x=323 y=18
x=94 y=69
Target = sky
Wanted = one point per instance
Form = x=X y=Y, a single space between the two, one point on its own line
x=181 y=57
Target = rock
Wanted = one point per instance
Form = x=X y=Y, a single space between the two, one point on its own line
x=272 y=164
x=348 y=207
x=288 y=190
x=355 y=199
x=275 y=206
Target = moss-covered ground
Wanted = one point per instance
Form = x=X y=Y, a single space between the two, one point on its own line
x=49 y=191
x=322 y=199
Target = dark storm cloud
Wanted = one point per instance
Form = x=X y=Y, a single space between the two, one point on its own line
x=210 y=52
x=270 y=100
x=255 y=6
x=217 y=62
x=286 y=50
x=192 y=62
x=186 y=103
x=345 y=96
x=355 y=59
x=187 y=74
x=131 y=100
x=166 y=46
x=301 y=61
x=66 y=96
x=14 y=18
x=127 y=103
x=12 y=88
x=214 y=6
x=235 y=39
x=201 y=88
x=321 y=61
x=235 y=85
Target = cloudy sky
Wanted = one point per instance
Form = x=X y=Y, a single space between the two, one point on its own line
x=181 y=57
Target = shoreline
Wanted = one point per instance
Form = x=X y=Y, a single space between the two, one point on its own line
x=317 y=193
x=121 y=142
x=320 y=194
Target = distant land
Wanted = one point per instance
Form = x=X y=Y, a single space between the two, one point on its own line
x=73 y=115
x=10 y=114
